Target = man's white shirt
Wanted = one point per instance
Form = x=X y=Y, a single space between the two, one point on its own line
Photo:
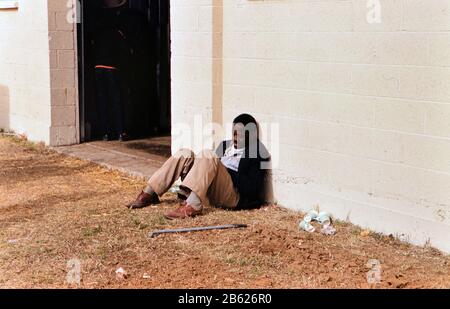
x=232 y=158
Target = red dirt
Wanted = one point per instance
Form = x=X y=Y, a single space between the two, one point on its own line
x=54 y=208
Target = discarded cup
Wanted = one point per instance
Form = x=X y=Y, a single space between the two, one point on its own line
x=328 y=230
x=324 y=218
x=306 y=226
x=311 y=216
x=313 y=213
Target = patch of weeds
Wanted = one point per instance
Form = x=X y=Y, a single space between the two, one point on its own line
x=378 y=236
x=139 y=224
x=355 y=230
x=249 y=261
x=243 y=261
x=104 y=252
x=230 y=261
x=22 y=140
x=341 y=223
x=256 y=271
x=157 y=221
x=89 y=232
x=143 y=226
x=92 y=212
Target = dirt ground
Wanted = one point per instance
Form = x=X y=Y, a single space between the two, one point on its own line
x=55 y=208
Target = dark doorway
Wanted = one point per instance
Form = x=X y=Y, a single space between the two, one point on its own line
x=145 y=73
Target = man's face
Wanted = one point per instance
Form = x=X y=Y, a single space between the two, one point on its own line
x=239 y=136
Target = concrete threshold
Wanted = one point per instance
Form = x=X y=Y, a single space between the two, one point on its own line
x=140 y=158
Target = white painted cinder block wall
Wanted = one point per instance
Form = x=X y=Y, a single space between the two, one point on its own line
x=38 y=95
x=363 y=109
x=24 y=70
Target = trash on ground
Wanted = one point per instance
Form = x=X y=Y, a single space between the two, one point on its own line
x=13 y=241
x=307 y=226
x=323 y=218
x=328 y=230
x=121 y=273
x=311 y=216
x=146 y=276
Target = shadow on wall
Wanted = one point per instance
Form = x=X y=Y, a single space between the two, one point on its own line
x=4 y=108
x=267 y=190
x=267 y=193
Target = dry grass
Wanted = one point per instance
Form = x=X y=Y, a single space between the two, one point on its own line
x=54 y=208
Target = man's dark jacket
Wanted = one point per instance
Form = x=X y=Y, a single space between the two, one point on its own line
x=250 y=179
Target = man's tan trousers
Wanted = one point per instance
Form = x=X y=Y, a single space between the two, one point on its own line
x=203 y=174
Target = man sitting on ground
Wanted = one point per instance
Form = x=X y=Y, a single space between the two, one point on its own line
x=233 y=177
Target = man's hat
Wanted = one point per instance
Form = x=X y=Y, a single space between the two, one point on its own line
x=110 y=4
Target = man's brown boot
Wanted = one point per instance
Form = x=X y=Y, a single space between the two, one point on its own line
x=144 y=200
x=183 y=212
